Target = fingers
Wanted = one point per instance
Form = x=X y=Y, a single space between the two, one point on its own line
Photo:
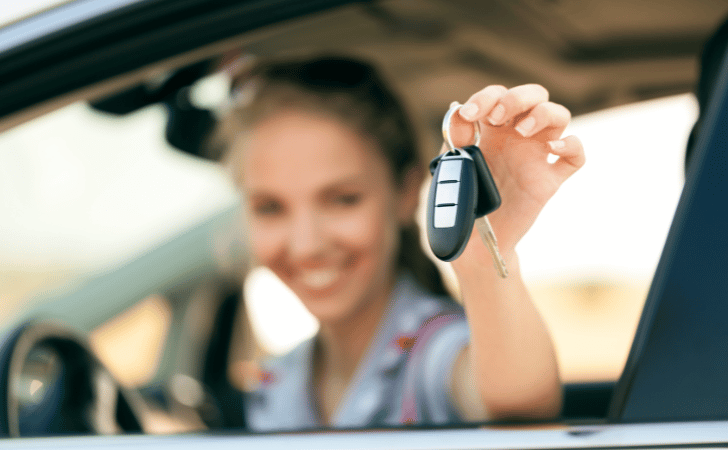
x=482 y=103
x=547 y=115
x=498 y=105
x=571 y=156
x=528 y=104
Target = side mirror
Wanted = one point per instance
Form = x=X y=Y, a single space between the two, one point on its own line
x=51 y=383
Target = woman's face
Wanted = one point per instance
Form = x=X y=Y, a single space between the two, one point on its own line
x=324 y=211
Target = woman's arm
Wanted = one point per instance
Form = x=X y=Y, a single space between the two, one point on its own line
x=510 y=364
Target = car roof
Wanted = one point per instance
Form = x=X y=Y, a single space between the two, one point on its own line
x=100 y=40
x=590 y=55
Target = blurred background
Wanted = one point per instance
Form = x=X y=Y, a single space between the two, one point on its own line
x=71 y=210
x=103 y=222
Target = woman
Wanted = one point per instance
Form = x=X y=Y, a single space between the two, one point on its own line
x=327 y=165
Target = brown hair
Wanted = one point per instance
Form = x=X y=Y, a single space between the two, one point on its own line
x=353 y=92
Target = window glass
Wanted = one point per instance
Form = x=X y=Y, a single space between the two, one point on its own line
x=83 y=192
x=590 y=257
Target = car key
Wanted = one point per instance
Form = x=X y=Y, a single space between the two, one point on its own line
x=488 y=201
x=488 y=196
x=451 y=206
x=457 y=200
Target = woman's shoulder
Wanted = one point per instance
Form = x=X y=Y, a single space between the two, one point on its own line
x=420 y=341
x=418 y=316
x=419 y=303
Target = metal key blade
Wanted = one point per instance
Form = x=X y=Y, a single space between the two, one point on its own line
x=488 y=237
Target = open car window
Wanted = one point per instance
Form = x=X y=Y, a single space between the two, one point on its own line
x=108 y=226
x=101 y=190
x=88 y=191
x=590 y=257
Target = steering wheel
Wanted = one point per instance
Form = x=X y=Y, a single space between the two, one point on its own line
x=51 y=383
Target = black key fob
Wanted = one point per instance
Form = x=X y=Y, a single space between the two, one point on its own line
x=451 y=205
x=489 y=198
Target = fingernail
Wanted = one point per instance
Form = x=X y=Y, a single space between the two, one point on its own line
x=526 y=125
x=496 y=116
x=469 y=110
x=556 y=145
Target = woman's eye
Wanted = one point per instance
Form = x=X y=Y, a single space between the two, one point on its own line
x=267 y=208
x=347 y=199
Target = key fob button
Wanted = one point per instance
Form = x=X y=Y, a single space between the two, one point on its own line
x=450 y=170
x=447 y=193
x=445 y=216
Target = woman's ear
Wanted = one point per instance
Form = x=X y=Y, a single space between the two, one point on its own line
x=409 y=195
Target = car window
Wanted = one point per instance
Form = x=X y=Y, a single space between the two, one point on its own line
x=84 y=192
x=610 y=258
x=78 y=206
x=590 y=257
x=100 y=209
x=131 y=344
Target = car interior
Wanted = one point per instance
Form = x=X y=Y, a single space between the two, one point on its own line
x=132 y=110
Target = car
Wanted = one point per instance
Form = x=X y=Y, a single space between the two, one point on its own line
x=105 y=103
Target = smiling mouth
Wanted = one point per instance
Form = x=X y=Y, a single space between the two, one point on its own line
x=319 y=279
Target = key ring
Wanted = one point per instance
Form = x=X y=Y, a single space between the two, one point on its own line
x=446 y=127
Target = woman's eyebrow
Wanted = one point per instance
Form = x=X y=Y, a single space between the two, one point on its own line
x=353 y=181
x=347 y=182
x=259 y=195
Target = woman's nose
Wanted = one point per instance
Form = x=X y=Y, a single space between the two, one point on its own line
x=306 y=237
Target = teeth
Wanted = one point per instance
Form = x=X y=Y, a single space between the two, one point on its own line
x=320 y=278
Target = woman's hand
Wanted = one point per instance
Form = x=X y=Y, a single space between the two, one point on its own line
x=519 y=128
x=512 y=360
